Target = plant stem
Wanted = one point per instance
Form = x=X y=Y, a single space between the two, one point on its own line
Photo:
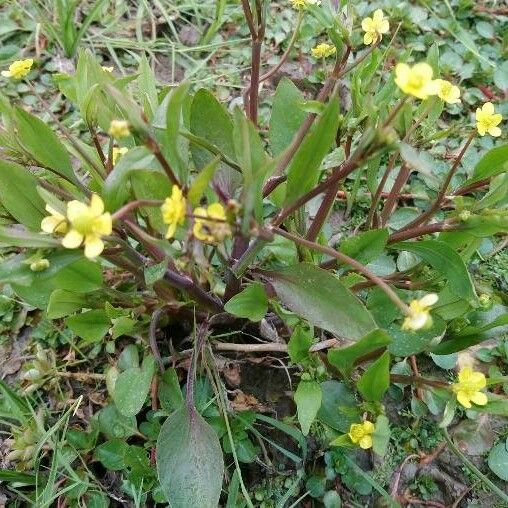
x=437 y=227
x=343 y=258
x=153 y=146
x=473 y=468
x=122 y=212
x=191 y=373
x=442 y=192
x=152 y=334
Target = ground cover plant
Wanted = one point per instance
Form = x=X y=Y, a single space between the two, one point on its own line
x=267 y=270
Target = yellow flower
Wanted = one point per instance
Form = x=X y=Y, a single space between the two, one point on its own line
x=416 y=80
x=467 y=389
x=119 y=128
x=173 y=210
x=107 y=69
x=323 y=50
x=302 y=4
x=447 y=92
x=54 y=223
x=419 y=313
x=487 y=120
x=214 y=230
x=18 y=69
x=87 y=226
x=361 y=434
x=117 y=152
x=375 y=27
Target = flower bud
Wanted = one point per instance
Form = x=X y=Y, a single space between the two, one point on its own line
x=40 y=265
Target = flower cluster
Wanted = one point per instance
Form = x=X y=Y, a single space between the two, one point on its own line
x=18 y=69
x=82 y=225
x=303 y=4
x=210 y=224
x=323 y=50
x=119 y=129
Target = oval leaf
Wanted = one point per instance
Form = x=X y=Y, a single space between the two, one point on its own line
x=189 y=461
x=308 y=398
x=319 y=297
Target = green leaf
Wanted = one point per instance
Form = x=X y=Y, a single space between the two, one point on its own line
x=169 y=393
x=376 y=379
x=251 y=303
x=114 y=425
x=147 y=87
x=339 y=407
x=308 y=398
x=366 y=246
x=39 y=140
x=173 y=124
x=82 y=276
x=303 y=168
x=381 y=436
x=63 y=302
x=116 y=188
x=200 y=183
x=91 y=326
x=498 y=461
x=493 y=163
x=111 y=454
x=299 y=345
x=151 y=185
x=286 y=117
x=15 y=237
x=129 y=357
x=446 y=261
x=406 y=343
x=344 y=358
x=210 y=120
x=132 y=387
x=319 y=297
x=190 y=465
x=19 y=196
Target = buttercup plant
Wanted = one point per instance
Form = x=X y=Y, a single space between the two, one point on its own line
x=179 y=212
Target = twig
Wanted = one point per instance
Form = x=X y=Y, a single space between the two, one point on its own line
x=270 y=347
x=81 y=376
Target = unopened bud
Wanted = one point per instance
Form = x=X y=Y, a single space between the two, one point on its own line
x=40 y=265
x=465 y=215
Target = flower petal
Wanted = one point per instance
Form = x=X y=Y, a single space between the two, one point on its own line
x=479 y=398
x=366 y=442
x=103 y=224
x=76 y=209
x=495 y=131
x=488 y=108
x=96 y=205
x=429 y=300
x=72 y=240
x=93 y=246
x=463 y=399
